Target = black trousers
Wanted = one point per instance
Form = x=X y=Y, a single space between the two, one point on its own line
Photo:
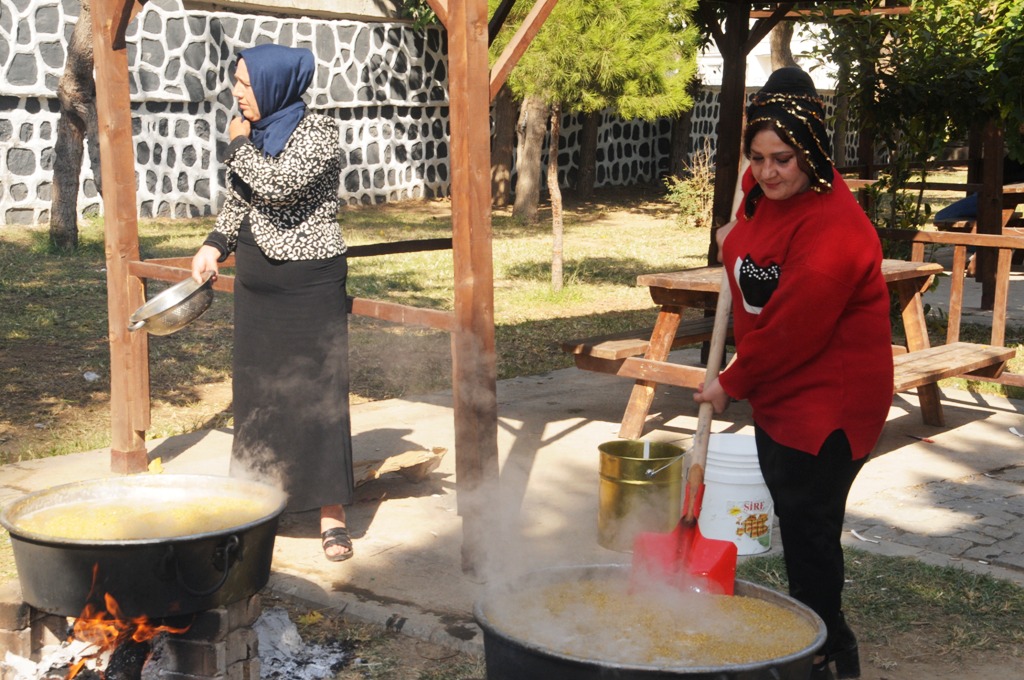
x=809 y=493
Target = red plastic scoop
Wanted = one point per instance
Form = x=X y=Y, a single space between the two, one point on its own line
x=684 y=557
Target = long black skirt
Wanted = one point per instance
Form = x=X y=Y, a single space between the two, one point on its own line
x=290 y=383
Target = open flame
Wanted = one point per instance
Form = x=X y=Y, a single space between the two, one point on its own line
x=108 y=628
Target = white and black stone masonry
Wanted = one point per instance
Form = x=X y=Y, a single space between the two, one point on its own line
x=384 y=82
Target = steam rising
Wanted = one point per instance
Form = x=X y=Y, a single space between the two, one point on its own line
x=610 y=618
x=290 y=430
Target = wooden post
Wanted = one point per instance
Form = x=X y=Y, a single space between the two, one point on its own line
x=474 y=366
x=129 y=352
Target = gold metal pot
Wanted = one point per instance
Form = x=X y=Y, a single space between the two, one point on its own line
x=631 y=500
x=155 y=575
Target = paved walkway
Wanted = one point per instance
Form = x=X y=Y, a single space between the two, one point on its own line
x=958 y=500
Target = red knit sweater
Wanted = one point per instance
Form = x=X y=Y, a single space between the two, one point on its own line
x=815 y=354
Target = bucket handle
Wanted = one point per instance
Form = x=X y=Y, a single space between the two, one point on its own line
x=651 y=472
x=223 y=554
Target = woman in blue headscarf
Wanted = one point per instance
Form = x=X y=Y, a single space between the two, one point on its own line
x=290 y=367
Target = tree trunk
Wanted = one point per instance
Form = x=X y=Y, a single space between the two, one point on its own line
x=842 y=129
x=502 y=145
x=682 y=134
x=533 y=123
x=556 y=199
x=680 y=144
x=730 y=130
x=780 y=42
x=587 y=176
x=77 y=94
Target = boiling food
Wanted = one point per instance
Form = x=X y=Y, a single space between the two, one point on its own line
x=120 y=520
x=603 y=620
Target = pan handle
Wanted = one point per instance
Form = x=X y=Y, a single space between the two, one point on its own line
x=224 y=554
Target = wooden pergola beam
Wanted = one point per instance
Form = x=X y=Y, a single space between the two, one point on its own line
x=129 y=352
x=474 y=361
x=819 y=14
x=122 y=17
x=440 y=8
x=517 y=46
x=176 y=269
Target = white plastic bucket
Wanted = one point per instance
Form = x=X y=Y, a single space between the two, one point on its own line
x=737 y=506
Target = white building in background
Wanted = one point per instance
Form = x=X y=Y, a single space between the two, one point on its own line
x=759 y=64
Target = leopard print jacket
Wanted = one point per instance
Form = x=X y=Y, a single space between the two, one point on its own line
x=291 y=200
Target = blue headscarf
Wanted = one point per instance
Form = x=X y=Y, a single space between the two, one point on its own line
x=278 y=75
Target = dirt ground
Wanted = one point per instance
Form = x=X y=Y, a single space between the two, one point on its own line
x=372 y=652
x=885 y=664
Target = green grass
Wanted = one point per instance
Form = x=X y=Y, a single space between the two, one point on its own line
x=54 y=329
x=53 y=332
x=889 y=599
x=600 y=293
x=54 y=326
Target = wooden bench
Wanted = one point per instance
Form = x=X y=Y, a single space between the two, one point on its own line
x=923 y=368
x=608 y=353
x=1013 y=225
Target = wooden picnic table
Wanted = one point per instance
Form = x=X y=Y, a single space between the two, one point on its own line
x=698 y=288
x=1013 y=196
x=981 y=265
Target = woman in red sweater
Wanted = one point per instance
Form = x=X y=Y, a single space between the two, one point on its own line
x=813 y=340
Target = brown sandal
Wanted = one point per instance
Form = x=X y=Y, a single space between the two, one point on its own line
x=338 y=536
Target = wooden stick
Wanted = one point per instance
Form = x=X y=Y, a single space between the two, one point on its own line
x=701 y=437
x=699 y=453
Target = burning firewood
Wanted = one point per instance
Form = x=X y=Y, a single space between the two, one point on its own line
x=127 y=660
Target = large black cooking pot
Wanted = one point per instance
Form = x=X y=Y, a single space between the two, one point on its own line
x=154 y=577
x=512 y=658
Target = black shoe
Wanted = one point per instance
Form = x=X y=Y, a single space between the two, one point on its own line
x=841 y=647
x=847 y=662
x=822 y=671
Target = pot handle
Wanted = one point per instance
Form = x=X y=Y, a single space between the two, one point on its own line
x=137 y=325
x=224 y=553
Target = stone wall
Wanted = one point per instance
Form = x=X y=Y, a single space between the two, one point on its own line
x=385 y=83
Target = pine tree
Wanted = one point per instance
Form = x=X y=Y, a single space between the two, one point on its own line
x=635 y=57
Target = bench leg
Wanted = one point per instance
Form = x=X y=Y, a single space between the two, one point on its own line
x=643 y=391
x=931 y=407
x=916 y=330
x=636 y=411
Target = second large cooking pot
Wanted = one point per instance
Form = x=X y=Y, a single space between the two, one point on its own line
x=155 y=576
x=512 y=654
